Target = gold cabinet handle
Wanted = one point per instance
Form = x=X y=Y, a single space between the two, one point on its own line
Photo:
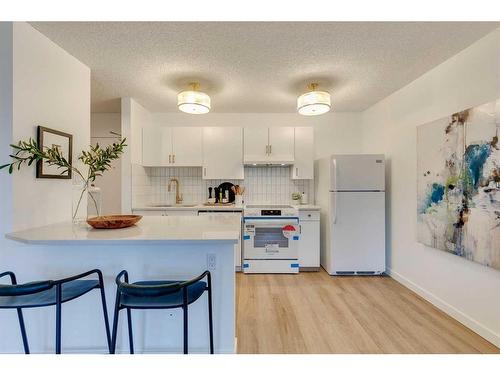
x=173 y=158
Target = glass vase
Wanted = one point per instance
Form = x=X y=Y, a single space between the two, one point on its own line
x=83 y=198
x=94 y=201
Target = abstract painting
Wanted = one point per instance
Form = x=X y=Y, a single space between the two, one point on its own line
x=458 y=184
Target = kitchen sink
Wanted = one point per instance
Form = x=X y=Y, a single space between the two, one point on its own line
x=172 y=205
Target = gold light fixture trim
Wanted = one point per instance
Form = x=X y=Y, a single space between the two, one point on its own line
x=314 y=102
x=193 y=101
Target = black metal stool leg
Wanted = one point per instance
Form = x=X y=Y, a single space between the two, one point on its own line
x=210 y=316
x=58 y=318
x=105 y=311
x=185 y=318
x=23 y=331
x=115 y=323
x=130 y=335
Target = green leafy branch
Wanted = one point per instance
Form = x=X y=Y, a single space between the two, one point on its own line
x=97 y=159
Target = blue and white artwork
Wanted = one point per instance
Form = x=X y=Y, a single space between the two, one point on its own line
x=458 y=166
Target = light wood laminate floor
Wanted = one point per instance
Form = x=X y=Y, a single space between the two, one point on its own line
x=315 y=313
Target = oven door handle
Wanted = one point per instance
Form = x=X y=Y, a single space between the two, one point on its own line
x=271 y=223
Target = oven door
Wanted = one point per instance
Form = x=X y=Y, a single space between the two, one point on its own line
x=266 y=238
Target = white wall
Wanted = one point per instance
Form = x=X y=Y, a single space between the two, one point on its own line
x=6 y=107
x=51 y=88
x=134 y=117
x=101 y=126
x=41 y=85
x=466 y=290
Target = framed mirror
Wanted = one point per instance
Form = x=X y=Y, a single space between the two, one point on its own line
x=48 y=138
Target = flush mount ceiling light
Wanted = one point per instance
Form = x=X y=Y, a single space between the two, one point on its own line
x=314 y=102
x=193 y=101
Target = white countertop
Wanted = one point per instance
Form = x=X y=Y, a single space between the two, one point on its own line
x=150 y=230
x=194 y=207
x=200 y=207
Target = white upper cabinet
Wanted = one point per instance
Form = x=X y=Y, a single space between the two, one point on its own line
x=281 y=141
x=269 y=145
x=152 y=146
x=223 y=153
x=172 y=146
x=256 y=149
x=187 y=147
x=167 y=140
x=303 y=167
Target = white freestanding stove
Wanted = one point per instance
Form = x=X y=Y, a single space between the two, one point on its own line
x=270 y=239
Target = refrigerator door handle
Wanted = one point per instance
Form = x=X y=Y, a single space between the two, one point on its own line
x=335 y=203
x=335 y=174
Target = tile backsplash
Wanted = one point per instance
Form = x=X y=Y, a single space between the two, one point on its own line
x=266 y=185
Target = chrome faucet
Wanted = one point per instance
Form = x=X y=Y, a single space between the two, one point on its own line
x=178 y=196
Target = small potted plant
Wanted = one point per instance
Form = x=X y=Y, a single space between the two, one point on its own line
x=97 y=161
x=296 y=198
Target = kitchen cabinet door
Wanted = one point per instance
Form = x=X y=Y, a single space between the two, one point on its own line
x=256 y=143
x=303 y=165
x=309 y=247
x=152 y=146
x=281 y=144
x=187 y=147
x=223 y=153
x=166 y=146
x=156 y=146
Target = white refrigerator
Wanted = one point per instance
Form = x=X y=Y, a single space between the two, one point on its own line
x=351 y=192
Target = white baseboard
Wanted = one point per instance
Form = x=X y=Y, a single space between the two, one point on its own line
x=463 y=318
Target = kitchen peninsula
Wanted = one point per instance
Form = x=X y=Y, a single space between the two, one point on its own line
x=157 y=248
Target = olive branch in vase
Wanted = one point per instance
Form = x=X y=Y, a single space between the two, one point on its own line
x=97 y=159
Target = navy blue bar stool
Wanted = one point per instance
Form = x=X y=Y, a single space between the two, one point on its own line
x=165 y=294
x=50 y=293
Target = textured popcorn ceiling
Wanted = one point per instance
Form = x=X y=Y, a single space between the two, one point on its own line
x=257 y=66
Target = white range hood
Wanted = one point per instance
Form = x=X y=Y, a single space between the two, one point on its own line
x=277 y=163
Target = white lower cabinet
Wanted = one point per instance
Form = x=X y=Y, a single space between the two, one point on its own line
x=309 y=240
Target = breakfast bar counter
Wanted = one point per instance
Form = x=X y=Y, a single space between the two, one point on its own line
x=156 y=248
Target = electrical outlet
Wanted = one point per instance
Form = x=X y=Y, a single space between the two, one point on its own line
x=211 y=262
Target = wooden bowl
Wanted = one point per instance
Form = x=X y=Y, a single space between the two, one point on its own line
x=113 y=221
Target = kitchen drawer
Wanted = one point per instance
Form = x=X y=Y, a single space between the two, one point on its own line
x=309 y=215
